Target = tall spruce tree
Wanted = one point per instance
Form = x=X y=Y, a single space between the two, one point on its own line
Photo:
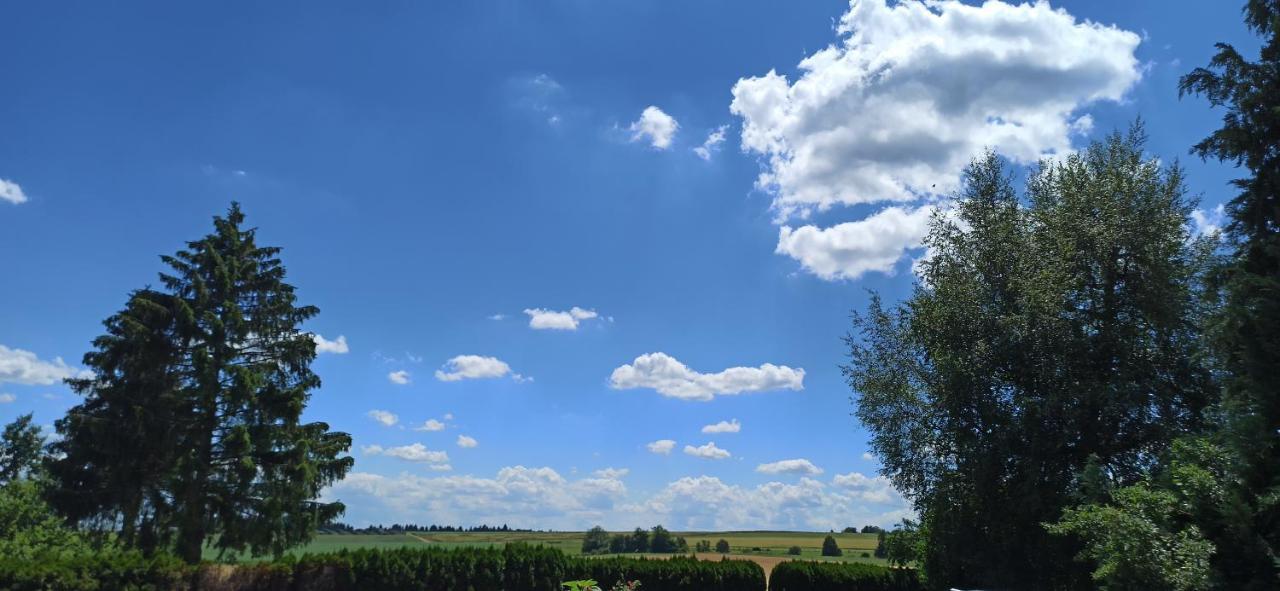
x=1247 y=335
x=191 y=426
x=1046 y=333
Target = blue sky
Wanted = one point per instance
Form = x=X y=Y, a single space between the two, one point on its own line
x=714 y=186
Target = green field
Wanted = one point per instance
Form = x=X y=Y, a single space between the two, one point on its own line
x=761 y=543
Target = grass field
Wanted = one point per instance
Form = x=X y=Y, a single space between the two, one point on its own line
x=756 y=544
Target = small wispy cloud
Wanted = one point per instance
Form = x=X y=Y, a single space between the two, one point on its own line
x=399 y=377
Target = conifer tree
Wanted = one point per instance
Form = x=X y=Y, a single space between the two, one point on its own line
x=191 y=426
x=1247 y=335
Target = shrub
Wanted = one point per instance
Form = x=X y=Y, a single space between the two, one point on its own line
x=674 y=574
x=794 y=550
x=797 y=575
x=830 y=548
x=596 y=541
x=515 y=567
x=722 y=546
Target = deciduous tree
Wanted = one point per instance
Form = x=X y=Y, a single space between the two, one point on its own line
x=1044 y=330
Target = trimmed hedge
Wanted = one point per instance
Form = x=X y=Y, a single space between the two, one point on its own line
x=102 y=571
x=675 y=573
x=515 y=567
x=799 y=575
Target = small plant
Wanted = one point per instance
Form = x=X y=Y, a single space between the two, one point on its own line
x=866 y=555
x=722 y=546
x=794 y=551
x=591 y=585
x=583 y=585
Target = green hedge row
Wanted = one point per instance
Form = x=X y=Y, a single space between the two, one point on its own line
x=515 y=567
x=837 y=576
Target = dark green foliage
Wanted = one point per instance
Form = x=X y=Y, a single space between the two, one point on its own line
x=702 y=546
x=657 y=541
x=722 y=546
x=870 y=529
x=794 y=551
x=618 y=543
x=1246 y=530
x=191 y=425
x=881 y=548
x=516 y=567
x=799 y=575
x=1044 y=331
x=830 y=547
x=21 y=449
x=30 y=530
x=902 y=545
x=99 y=571
x=596 y=541
x=661 y=541
x=638 y=541
x=676 y=573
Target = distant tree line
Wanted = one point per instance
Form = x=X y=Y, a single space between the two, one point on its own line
x=395 y=528
x=866 y=529
x=655 y=541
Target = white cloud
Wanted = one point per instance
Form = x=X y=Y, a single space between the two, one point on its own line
x=464 y=441
x=540 y=94
x=448 y=416
x=384 y=417
x=415 y=452
x=723 y=427
x=662 y=446
x=11 y=192
x=876 y=489
x=471 y=367
x=542 y=498
x=532 y=497
x=796 y=466
x=430 y=425
x=868 y=456
x=846 y=251
x=440 y=467
x=707 y=452
x=705 y=503
x=712 y=143
x=498 y=317
x=654 y=126
x=399 y=377
x=612 y=473
x=338 y=345
x=23 y=367
x=671 y=378
x=1207 y=222
x=6 y=398
x=542 y=319
x=909 y=94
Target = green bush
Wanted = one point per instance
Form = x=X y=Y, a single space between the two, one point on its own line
x=673 y=574
x=515 y=567
x=794 y=550
x=799 y=575
x=105 y=570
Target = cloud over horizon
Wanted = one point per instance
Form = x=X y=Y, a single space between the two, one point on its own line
x=910 y=92
x=669 y=377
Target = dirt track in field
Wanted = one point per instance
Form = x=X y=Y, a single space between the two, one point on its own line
x=766 y=562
